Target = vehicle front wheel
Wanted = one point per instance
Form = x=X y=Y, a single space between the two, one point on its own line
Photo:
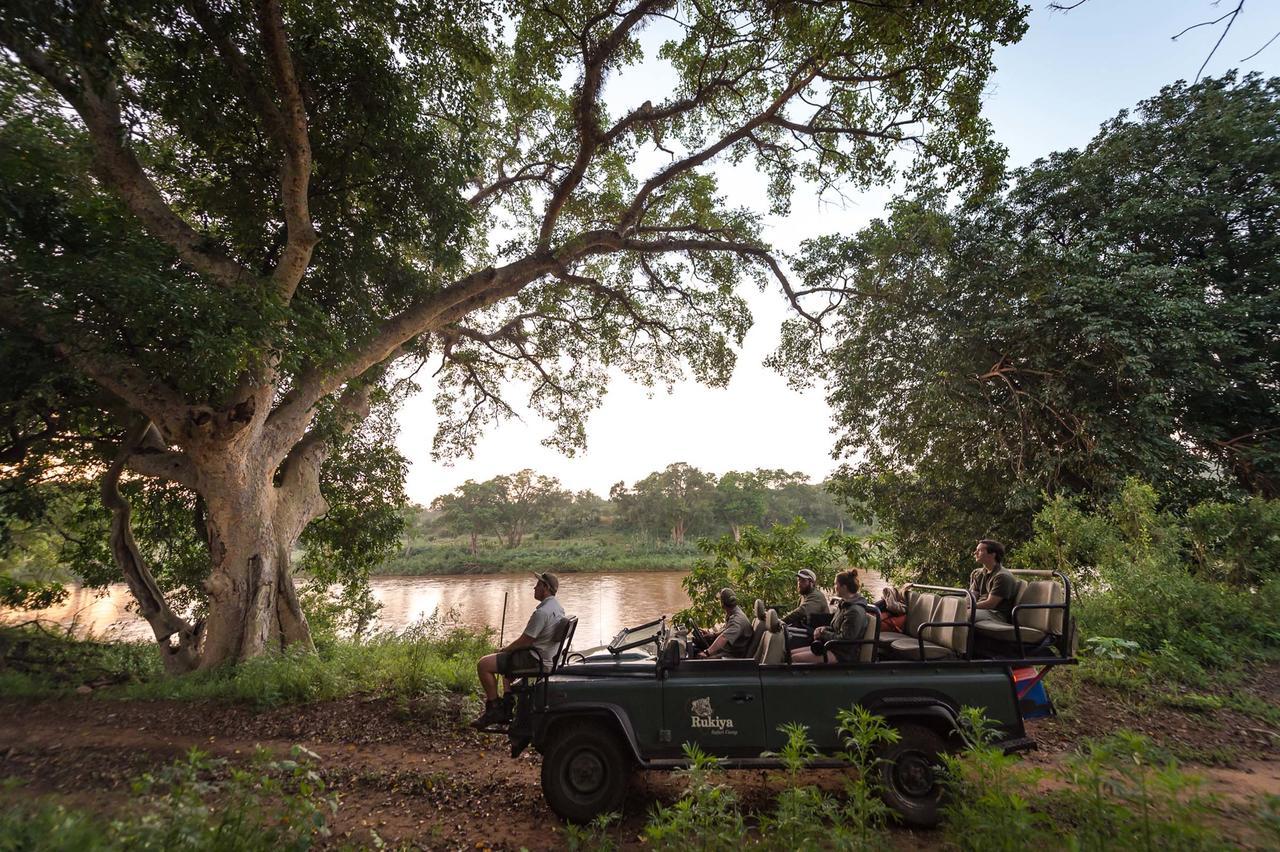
x=584 y=772
x=909 y=775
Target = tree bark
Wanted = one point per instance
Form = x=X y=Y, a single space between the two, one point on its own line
x=253 y=525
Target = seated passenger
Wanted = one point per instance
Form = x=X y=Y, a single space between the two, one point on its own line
x=518 y=656
x=992 y=586
x=812 y=600
x=849 y=622
x=735 y=637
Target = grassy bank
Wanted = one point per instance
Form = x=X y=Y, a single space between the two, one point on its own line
x=432 y=659
x=610 y=552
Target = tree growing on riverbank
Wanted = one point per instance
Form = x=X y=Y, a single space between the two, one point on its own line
x=227 y=225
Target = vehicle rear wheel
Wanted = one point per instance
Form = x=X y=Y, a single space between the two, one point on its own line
x=584 y=771
x=910 y=782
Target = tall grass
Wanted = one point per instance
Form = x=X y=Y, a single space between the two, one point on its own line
x=432 y=657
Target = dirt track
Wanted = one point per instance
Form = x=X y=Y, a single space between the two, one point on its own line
x=447 y=787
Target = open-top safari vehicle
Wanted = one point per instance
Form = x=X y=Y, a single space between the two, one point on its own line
x=632 y=704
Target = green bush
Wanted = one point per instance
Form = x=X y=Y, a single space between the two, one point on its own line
x=1122 y=793
x=802 y=814
x=1192 y=592
x=198 y=804
x=988 y=805
x=763 y=564
x=705 y=818
x=431 y=657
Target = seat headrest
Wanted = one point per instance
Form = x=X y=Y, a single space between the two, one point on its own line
x=773 y=622
x=760 y=610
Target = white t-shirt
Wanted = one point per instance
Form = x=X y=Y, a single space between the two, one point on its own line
x=541 y=626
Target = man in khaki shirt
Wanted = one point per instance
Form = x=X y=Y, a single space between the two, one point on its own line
x=812 y=600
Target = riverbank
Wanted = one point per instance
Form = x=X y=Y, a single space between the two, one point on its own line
x=384 y=724
x=414 y=775
x=612 y=553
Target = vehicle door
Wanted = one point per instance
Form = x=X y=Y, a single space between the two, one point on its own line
x=716 y=704
x=810 y=696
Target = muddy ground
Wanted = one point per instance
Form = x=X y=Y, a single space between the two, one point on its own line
x=436 y=784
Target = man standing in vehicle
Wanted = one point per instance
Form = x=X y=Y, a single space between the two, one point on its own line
x=735 y=638
x=992 y=585
x=812 y=600
x=519 y=656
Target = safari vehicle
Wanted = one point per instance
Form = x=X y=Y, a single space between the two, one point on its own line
x=597 y=715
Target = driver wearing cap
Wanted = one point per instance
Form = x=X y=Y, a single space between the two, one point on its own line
x=812 y=600
x=519 y=656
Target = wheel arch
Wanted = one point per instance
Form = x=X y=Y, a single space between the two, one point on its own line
x=610 y=715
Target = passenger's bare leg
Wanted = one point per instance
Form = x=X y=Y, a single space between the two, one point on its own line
x=487 y=669
x=804 y=655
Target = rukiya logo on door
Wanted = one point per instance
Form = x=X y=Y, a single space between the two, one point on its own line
x=702 y=716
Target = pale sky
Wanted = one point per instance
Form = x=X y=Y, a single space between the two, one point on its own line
x=1050 y=92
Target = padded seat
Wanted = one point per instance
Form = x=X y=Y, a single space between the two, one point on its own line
x=940 y=642
x=1034 y=624
x=758 y=626
x=920 y=607
x=773 y=645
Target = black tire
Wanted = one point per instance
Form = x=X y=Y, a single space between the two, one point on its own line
x=584 y=771
x=910 y=782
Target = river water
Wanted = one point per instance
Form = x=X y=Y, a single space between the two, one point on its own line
x=604 y=602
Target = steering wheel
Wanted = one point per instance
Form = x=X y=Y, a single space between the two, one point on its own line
x=701 y=638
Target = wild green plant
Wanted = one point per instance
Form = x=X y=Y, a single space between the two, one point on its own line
x=197 y=804
x=42 y=827
x=706 y=817
x=803 y=814
x=864 y=815
x=1269 y=818
x=592 y=837
x=1124 y=793
x=987 y=807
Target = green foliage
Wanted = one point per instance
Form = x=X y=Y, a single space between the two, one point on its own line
x=1137 y=580
x=1123 y=793
x=198 y=804
x=864 y=815
x=763 y=564
x=705 y=818
x=988 y=804
x=1004 y=331
x=435 y=657
x=593 y=837
x=802 y=813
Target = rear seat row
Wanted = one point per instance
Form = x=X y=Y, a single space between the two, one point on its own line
x=940 y=625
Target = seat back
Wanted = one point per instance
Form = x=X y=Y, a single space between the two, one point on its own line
x=1046 y=620
x=761 y=611
x=773 y=645
x=947 y=609
x=757 y=637
x=563 y=634
x=919 y=611
x=867 y=651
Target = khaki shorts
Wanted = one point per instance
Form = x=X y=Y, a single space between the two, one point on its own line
x=519 y=660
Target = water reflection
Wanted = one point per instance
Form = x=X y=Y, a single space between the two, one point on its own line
x=604 y=602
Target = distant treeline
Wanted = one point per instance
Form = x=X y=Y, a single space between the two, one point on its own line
x=672 y=505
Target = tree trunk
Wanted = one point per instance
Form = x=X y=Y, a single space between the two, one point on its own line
x=474 y=543
x=253 y=606
x=737 y=531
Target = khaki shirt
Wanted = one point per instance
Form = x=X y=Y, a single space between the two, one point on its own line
x=542 y=627
x=737 y=634
x=998 y=582
x=813 y=603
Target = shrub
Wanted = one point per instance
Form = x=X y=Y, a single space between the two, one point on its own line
x=802 y=813
x=705 y=818
x=195 y=805
x=987 y=807
x=763 y=564
x=864 y=815
x=1124 y=794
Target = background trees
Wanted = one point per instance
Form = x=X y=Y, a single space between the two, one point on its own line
x=290 y=198
x=1112 y=313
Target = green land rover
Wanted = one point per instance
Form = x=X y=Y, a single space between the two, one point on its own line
x=597 y=715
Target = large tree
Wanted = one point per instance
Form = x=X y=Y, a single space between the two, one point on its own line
x=1114 y=313
x=231 y=220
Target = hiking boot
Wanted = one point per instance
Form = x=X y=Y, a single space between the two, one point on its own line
x=493 y=714
x=508 y=706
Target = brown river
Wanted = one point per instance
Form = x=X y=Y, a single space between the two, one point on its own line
x=604 y=602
